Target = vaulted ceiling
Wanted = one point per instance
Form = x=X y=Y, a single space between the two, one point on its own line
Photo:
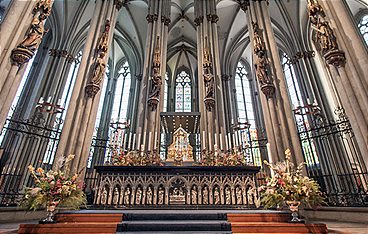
x=289 y=18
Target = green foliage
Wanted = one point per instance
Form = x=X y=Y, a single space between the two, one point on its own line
x=53 y=188
x=288 y=184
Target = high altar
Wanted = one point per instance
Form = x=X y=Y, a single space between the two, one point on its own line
x=179 y=181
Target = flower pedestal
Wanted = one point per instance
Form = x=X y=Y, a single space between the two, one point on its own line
x=294 y=208
x=50 y=215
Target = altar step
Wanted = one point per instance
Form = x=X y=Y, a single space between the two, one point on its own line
x=271 y=223
x=166 y=222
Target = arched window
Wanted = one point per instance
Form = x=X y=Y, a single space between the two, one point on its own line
x=246 y=114
x=363 y=28
x=292 y=82
x=121 y=98
x=183 y=92
x=302 y=122
x=4 y=4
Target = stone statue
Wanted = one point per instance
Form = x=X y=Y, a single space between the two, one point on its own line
x=115 y=199
x=208 y=80
x=239 y=199
x=34 y=35
x=160 y=196
x=326 y=37
x=250 y=196
x=99 y=69
x=138 y=196
x=156 y=86
x=194 y=195
x=227 y=196
x=149 y=196
x=314 y=10
x=258 y=44
x=127 y=196
x=205 y=196
x=104 y=196
x=104 y=39
x=216 y=196
x=261 y=65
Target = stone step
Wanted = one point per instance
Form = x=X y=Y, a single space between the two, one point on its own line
x=103 y=228
x=173 y=225
x=88 y=218
x=177 y=232
x=174 y=216
x=277 y=227
x=259 y=217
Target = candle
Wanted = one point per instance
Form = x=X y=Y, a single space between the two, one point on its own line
x=268 y=145
x=149 y=140
x=125 y=139
x=210 y=142
x=41 y=100
x=49 y=100
x=133 y=141
x=229 y=139
x=226 y=142
x=130 y=140
x=215 y=139
x=308 y=101
x=221 y=146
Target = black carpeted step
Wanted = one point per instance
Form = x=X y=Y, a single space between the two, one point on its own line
x=174 y=225
x=182 y=232
x=174 y=216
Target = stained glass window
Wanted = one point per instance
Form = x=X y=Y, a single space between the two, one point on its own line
x=183 y=92
x=363 y=28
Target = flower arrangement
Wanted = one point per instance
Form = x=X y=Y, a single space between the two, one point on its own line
x=220 y=158
x=54 y=188
x=289 y=185
x=137 y=158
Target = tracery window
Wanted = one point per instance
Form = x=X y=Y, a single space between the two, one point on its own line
x=245 y=107
x=121 y=97
x=183 y=88
x=363 y=28
x=302 y=122
x=4 y=4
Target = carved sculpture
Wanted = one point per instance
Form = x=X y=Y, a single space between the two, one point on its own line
x=262 y=65
x=156 y=79
x=138 y=196
x=209 y=82
x=149 y=196
x=115 y=199
x=205 y=196
x=194 y=195
x=127 y=196
x=180 y=150
x=325 y=36
x=98 y=68
x=216 y=196
x=239 y=196
x=28 y=46
x=161 y=194
x=104 y=197
x=227 y=196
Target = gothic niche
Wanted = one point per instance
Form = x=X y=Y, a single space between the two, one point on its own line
x=177 y=192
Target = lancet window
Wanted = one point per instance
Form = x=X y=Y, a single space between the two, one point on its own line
x=183 y=88
x=121 y=98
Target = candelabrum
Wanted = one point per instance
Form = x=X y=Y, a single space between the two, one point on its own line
x=239 y=128
x=311 y=109
x=49 y=107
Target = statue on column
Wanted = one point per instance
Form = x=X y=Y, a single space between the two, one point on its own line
x=325 y=37
x=34 y=35
x=156 y=79
x=98 y=70
x=209 y=81
x=258 y=44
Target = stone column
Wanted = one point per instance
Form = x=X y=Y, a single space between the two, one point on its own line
x=76 y=136
x=288 y=126
x=328 y=45
x=350 y=37
x=152 y=90
x=16 y=50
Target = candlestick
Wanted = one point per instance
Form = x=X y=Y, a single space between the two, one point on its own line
x=268 y=146
x=221 y=146
x=149 y=140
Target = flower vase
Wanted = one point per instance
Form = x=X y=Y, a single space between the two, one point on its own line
x=294 y=208
x=50 y=215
